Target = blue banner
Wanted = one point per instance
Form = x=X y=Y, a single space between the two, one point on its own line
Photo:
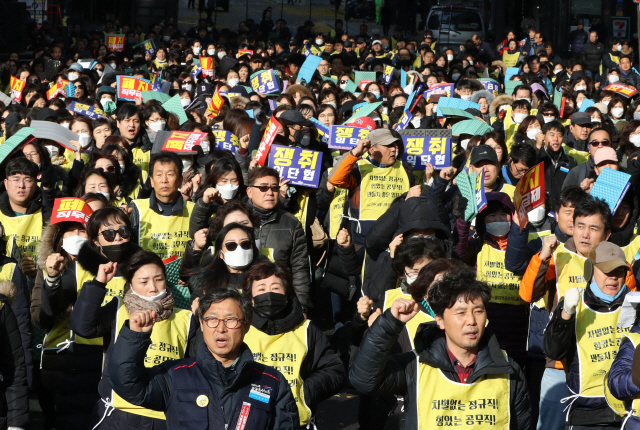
x=86 y=110
x=418 y=151
x=149 y=47
x=492 y=86
x=443 y=89
x=308 y=68
x=345 y=137
x=387 y=74
x=300 y=166
x=403 y=78
x=405 y=119
x=323 y=131
x=156 y=80
x=265 y=82
x=226 y=140
x=481 y=198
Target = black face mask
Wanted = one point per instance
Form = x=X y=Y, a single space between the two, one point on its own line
x=269 y=305
x=298 y=135
x=115 y=253
x=112 y=177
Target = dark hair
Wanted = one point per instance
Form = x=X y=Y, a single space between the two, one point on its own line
x=262 y=172
x=151 y=109
x=420 y=287
x=217 y=222
x=219 y=169
x=523 y=153
x=499 y=139
x=165 y=157
x=265 y=269
x=553 y=125
x=460 y=283
x=217 y=295
x=127 y=111
x=136 y=261
x=590 y=206
x=90 y=197
x=414 y=249
x=105 y=216
x=519 y=104
x=570 y=196
x=595 y=129
x=524 y=125
x=523 y=87
x=21 y=166
x=80 y=191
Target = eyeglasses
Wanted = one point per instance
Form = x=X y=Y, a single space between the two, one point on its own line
x=232 y=246
x=80 y=87
x=33 y=81
x=520 y=171
x=231 y=323
x=27 y=182
x=110 y=234
x=600 y=143
x=265 y=188
x=109 y=169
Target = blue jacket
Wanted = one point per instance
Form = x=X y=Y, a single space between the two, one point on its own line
x=620 y=382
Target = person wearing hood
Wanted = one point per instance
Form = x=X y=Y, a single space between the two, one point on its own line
x=128 y=121
x=98 y=314
x=282 y=338
x=580 y=332
x=499 y=103
x=161 y=222
x=457 y=358
x=484 y=98
x=596 y=138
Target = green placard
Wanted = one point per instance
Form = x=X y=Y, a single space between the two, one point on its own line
x=173 y=105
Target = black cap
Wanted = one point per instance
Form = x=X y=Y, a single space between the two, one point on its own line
x=581 y=118
x=256 y=58
x=294 y=117
x=203 y=88
x=360 y=40
x=12 y=119
x=46 y=113
x=293 y=42
x=472 y=111
x=347 y=43
x=483 y=152
x=348 y=106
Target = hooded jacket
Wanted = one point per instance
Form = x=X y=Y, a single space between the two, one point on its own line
x=375 y=370
x=502 y=99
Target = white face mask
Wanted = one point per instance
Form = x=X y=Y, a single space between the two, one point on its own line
x=343 y=86
x=619 y=48
x=113 y=65
x=187 y=87
x=318 y=41
x=466 y=97
x=333 y=104
x=209 y=28
x=606 y=103
x=617 y=112
x=107 y=194
x=410 y=279
x=635 y=140
x=580 y=88
x=53 y=150
x=375 y=93
x=73 y=244
x=187 y=163
x=449 y=57
x=385 y=111
x=579 y=104
x=84 y=139
x=537 y=214
x=155 y=298
x=185 y=102
x=65 y=124
x=519 y=117
x=122 y=167
x=614 y=78
x=415 y=121
x=166 y=38
x=464 y=143
x=455 y=76
x=548 y=119
x=239 y=258
x=99 y=72
x=498 y=229
x=595 y=120
x=221 y=55
x=206 y=146
x=555 y=72
x=531 y=134
x=228 y=191
x=211 y=52
x=157 y=126
x=233 y=82
x=196 y=50
x=73 y=76
x=103 y=102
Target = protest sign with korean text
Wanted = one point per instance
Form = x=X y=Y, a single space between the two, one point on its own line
x=16 y=88
x=418 y=151
x=324 y=133
x=214 y=107
x=442 y=89
x=226 y=140
x=86 y=110
x=481 y=198
x=149 y=47
x=404 y=121
x=490 y=85
x=345 y=137
x=114 y=42
x=267 y=139
x=622 y=89
x=183 y=141
x=300 y=166
x=529 y=193
x=206 y=64
x=71 y=209
x=387 y=73
x=56 y=90
x=130 y=87
x=242 y=52
x=265 y=82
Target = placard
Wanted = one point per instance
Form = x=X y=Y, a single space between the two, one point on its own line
x=624 y=90
x=206 y=64
x=529 y=193
x=71 y=209
x=404 y=121
x=300 y=166
x=387 y=74
x=130 y=87
x=226 y=140
x=442 y=89
x=16 y=88
x=214 y=107
x=346 y=137
x=418 y=151
x=265 y=82
x=86 y=110
x=267 y=139
x=183 y=141
x=114 y=42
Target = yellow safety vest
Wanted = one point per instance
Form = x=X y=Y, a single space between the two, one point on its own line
x=569 y=270
x=141 y=158
x=379 y=188
x=60 y=332
x=579 y=156
x=443 y=402
x=508 y=189
x=598 y=337
x=538 y=234
x=25 y=229
x=632 y=248
x=168 y=342
x=303 y=204
x=163 y=235
x=510 y=60
x=336 y=210
x=412 y=326
x=505 y=285
x=285 y=352
x=621 y=407
x=70 y=156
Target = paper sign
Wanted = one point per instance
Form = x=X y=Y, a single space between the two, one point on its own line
x=55 y=132
x=267 y=139
x=226 y=140
x=242 y=52
x=410 y=101
x=625 y=90
x=466 y=185
x=403 y=78
x=481 y=199
x=206 y=64
x=56 y=90
x=156 y=80
x=308 y=68
x=265 y=82
x=387 y=74
x=323 y=131
x=345 y=137
x=114 y=42
x=363 y=84
x=130 y=88
x=611 y=186
x=364 y=76
x=16 y=142
x=300 y=166
x=442 y=89
x=149 y=47
x=365 y=111
x=351 y=87
x=455 y=103
x=490 y=85
x=71 y=209
x=183 y=141
x=86 y=110
x=214 y=107
x=404 y=121
x=511 y=71
x=529 y=193
x=418 y=151
x=16 y=88
x=586 y=104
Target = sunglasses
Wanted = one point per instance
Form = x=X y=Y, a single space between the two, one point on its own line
x=600 y=143
x=110 y=234
x=110 y=169
x=232 y=246
x=265 y=188
x=81 y=87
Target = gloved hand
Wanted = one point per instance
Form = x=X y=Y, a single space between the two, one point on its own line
x=48 y=178
x=571 y=299
x=458 y=205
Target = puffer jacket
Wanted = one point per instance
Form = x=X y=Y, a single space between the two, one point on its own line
x=14 y=397
x=621 y=379
x=591 y=56
x=502 y=99
x=560 y=343
x=375 y=370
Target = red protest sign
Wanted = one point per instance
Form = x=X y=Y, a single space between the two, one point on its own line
x=624 y=90
x=529 y=193
x=363 y=84
x=115 y=42
x=130 y=88
x=71 y=209
x=265 y=145
x=183 y=141
x=206 y=64
x=241 y=52
x=16 y=88
x=56 y=90
x=216 y=103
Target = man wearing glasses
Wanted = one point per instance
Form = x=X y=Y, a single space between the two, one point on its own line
x=596 y=139
x=222 y=387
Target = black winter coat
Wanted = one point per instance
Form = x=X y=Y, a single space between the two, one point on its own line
x=591 y=56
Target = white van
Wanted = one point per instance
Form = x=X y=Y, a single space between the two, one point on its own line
x=452 y=26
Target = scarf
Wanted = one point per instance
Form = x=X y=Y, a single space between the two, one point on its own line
x=605 y=297
x=501 y=241
x=264 y=214
x=163 y=308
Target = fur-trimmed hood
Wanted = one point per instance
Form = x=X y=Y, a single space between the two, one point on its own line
x=9 y=290
x=90 y=257
x=502 y=99
x=49 y=245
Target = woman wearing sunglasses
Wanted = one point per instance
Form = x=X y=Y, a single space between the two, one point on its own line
x=145 y=289
x=109 y=233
